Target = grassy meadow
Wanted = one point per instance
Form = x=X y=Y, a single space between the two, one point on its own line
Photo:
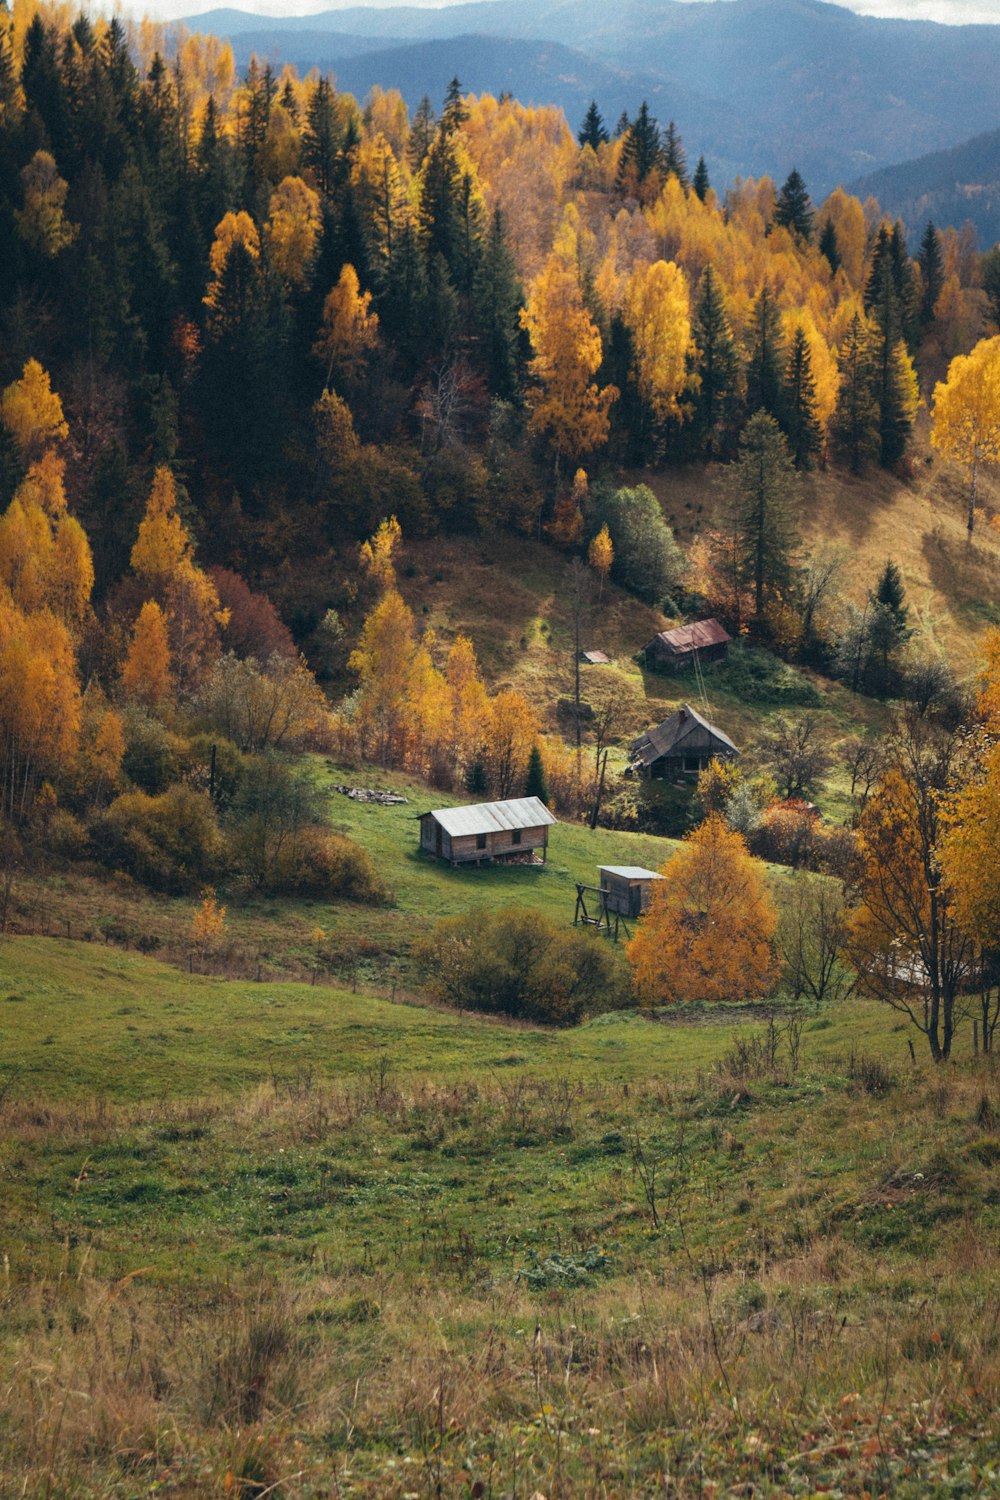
x=282 y=1239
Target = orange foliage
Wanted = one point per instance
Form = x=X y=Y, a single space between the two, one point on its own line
x=708 y=933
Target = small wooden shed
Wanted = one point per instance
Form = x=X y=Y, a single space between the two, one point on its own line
x=627 y=888
x=676 y=650
x=682 y=745
x=487 y=831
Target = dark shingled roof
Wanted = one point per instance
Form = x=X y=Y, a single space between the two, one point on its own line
x=668 y=738
x=694 y=637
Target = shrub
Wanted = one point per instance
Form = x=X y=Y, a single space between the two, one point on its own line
x=65 y=835
x=152 y=754
x=647 y=560
x=170 y=842
x=518 y=963
x=327 y=865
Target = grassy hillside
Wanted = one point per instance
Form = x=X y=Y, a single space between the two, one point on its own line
x=273 y=1238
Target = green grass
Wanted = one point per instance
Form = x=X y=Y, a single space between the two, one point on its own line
x=277 y=1235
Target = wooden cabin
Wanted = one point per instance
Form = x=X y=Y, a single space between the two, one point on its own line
x=627 y=888
x=487 y=831
x=682 y=745
x=676 y=650
x=595 y=658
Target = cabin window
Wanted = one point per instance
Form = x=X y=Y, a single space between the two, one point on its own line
x=692 y=762
x=515 y=835
x=480 y=841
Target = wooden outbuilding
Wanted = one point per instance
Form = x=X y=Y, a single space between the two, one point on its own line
x=627 y=889
x=682 y=745
x=676 y=650
x=595 y=658
x=487 y=831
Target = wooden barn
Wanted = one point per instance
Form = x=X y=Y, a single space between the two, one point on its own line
x=626 y=889
x=682 y=745
x=487 y=831
x=676 y=650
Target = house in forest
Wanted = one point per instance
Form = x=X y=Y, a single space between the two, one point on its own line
x=682 y=745
x=487 y=831
x=676 y=650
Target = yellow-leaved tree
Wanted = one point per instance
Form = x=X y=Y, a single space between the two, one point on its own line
x=146 y=674
x=601 y=555
x=32 y=412
x=566 y=404
x=967 y=413
x=708 y=933
x=348 y=334
x=163 y=561
x=657 y=313
x=292 y=230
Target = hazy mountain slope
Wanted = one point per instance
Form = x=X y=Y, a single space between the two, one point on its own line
x=946 y=186
x=806 y=83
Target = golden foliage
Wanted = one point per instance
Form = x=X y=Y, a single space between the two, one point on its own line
x=42 y=222
x=146 y=674
x=32 y=412
x=708 y=933
x=292 y=229
x=565 y=403
x=208 y=923
x=349 y=331
x=657 y=313
x=967 y=412
x=376 y=555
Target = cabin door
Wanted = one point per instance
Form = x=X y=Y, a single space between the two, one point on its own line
x=438 y=843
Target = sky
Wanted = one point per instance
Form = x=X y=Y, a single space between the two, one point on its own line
x=950 y=12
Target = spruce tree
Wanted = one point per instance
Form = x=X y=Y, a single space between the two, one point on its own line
x=322 y=138
x=794 y=210
x=593 y=132
x=829 y=246
x=673 y=157
x=716 y=365
x=765 y=490
x=439 y=214
x=895 y=418
x=496 y=300
x=535 y=782
x=623 y=126
x=805 y=438
x=891 y=594
x=454 y=114
x=854 y=428
x=641 y=151
x=765 y=369
x=421 y=133
x=700 y=181
x=931 y=265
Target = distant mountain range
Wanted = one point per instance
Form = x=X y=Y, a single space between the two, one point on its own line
x=757 y=85
x=946 y=186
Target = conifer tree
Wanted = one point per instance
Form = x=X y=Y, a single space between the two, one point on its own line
x=497 y=300
x=893 y=380
x=454 y=114
x=322 y=137
x=593 y=132
x=623 y=125
x=716 y=366
x=891 y=594
x=422 y=130
x=794 y=210
x=765 y=508
x=674 y=159
x=829 y=246
x=932 y=272
x=699 y=181
x=765 y=369
x=801 y=422
x=535 y=782
x=854 y=429
x=641 y=151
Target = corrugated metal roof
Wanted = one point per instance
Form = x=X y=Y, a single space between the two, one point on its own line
x=659 y=741
x=693 y=637
x=492 y=817
x=596 y=658
x=630 y=872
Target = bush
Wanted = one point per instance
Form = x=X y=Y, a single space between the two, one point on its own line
x=171 y=842
x=647 y=561
x=518 y=963
x=327 y=865
x=758 y=677
x=152 y=754
x=65 y=835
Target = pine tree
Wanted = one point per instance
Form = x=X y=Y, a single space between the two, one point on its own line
x=535 y=782
x=794 y=210
x=890 y=374
x=765 y=369
x=766 y=499
x=854 y=428
x=829 y=247
x=805 y=438
x=716 y=365
x=623 y=126
x=593 y=132
x=932 y=271
x=439 y=206
x=700 y=181
x=674 y=159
